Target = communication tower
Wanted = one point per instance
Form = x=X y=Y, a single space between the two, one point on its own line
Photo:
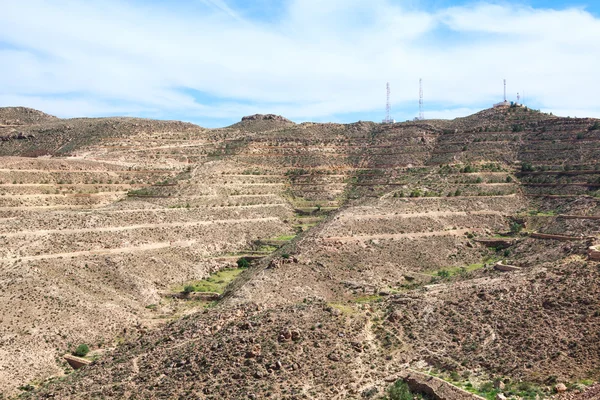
x=421 y=111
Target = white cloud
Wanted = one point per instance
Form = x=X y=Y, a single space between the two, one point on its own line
x=319 y=59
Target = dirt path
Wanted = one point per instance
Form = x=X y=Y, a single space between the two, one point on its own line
x=134 y=227
x=420 y=214
x=395 y=236
x=145 y=247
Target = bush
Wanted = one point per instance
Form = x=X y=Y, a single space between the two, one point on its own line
x=509 y=179
x=243 y=263
x=399 y=391
x=443 y=273
x=285 y=255
x=82 y=350
x=526 y=167
x=516 y=227
x=189 y=289
x=595 y=127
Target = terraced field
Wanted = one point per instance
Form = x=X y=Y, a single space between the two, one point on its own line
x=376 y=244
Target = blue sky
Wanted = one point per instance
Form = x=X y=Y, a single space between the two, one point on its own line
x=213 y=61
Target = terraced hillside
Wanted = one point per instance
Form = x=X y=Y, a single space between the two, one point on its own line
x=449 y=247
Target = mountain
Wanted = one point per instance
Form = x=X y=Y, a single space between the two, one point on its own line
x=282 y=260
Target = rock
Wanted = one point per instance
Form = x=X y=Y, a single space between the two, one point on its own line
x=265 y=117
x=500 y=396
x=498 y=384
x=296 y=335
x=285 y=335
x=334 y=357
x=369 y=392
x=560 y=388
x=358 y=346
x=254 y=352
x=395 y=316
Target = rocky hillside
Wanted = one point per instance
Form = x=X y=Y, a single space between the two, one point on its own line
x=283 y=260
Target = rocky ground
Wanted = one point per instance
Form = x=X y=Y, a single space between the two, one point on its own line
x=374 y=249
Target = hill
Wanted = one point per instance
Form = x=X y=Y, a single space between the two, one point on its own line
x=283 y=260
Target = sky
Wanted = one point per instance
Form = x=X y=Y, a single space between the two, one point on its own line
x=213 y=61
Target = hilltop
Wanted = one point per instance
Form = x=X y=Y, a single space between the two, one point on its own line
x=283 y=260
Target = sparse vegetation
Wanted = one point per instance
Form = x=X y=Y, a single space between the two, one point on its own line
x=82 y=350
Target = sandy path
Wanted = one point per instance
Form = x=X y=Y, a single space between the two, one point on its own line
x=420 y=214
x=134 y=227
x=394 y=236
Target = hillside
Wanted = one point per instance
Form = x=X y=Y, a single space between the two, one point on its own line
x=374 y=250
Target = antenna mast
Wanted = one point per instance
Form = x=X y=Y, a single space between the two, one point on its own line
x=505 y=90
x=388 y=107
x=421 y=112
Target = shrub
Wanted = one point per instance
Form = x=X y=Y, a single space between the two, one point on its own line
x=189 y=289
x=243 y=263
x=399 y=391
x=595 y=127
x=516 y=227
x=285 y=255
x=509 y=179
x=82 y=350
x=526 y=167
x=517 y=128
x=443 y=273
x=580 y=136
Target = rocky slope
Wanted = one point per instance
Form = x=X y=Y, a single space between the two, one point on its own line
x=374 y=249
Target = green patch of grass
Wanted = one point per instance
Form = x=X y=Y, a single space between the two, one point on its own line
x=266 y=249
x=537 y=213
x=452 y=271
x=215 y=283
x=283 y=238
x=373 y=298
x=344 y=308
x=523 y=390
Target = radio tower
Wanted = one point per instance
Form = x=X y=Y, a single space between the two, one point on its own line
x=388 y=107
x=421 y=113
x=505 y=90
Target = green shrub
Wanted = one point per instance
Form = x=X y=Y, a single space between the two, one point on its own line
x=526 y=167
x=516 y=227
x=443 y=273
x=243 y=263
x=189 y=289
x=595 y=127
x=399 y=391
x=285 y=255
x=82 y=350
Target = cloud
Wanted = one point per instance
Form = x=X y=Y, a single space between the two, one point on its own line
x=316 y=60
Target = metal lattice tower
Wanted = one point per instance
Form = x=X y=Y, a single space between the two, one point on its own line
x=421 y=111
x=388 y=106
x=518 y=98
x=505 y=90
